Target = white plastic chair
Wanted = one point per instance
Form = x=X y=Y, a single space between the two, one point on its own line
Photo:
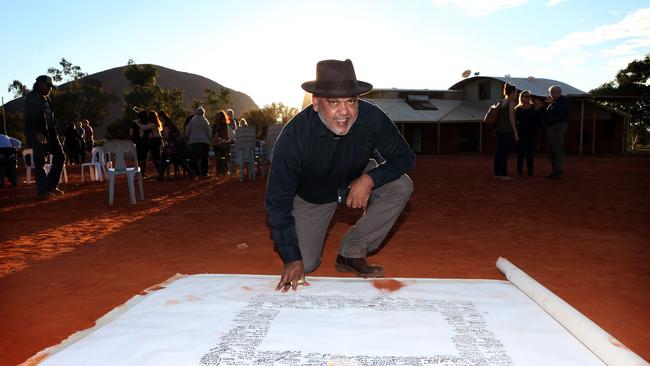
x=243 y=152
x=272 y=134
x=96 y=165
x=117 y=150
x=28 y=160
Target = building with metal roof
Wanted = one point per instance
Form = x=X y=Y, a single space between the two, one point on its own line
x=448 y=121
x=537 y=86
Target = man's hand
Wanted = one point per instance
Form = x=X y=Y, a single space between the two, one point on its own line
x=41 y=138
x=293 y=275
x=360 y=190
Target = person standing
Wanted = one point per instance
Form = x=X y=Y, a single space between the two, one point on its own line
x=174 y=149
x=72 y=143
x=232 y=123
x=89 y=135
x=324 y=155
x=221 y=142
x=199 y=134
x=506 y=131
x=555 y=120
x=153 y=128
x=140 y=139
x=41 y=134
x=82 y=142
x=528 y=119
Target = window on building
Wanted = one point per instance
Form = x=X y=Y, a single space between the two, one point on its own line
x=484 y=90
x=420 y=102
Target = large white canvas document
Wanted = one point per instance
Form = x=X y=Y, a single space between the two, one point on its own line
x=241 y=320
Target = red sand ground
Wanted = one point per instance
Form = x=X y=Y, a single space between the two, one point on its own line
x=66 y=262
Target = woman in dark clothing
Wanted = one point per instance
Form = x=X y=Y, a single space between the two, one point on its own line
x=221 y=142
x=175 y=148
x=140 y=139
x=506 y=131
x=82 y=142
x=72 y=143
x=528 y=120
x=154 y=128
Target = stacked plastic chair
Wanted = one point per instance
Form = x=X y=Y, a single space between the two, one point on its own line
x=243 y=152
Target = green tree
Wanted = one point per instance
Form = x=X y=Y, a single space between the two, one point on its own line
x=213 y=101
x=632 y=86
x=274 y=113
x=15 y=125
x=172 y=103
x=79 y=97
x=19 y=89
x=67 y=71
x=144 y=92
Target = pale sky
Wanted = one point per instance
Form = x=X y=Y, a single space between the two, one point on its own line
x=267 y=49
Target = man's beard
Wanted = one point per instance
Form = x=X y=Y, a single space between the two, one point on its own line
x=322 y=119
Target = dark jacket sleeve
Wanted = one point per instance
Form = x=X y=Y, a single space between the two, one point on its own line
x=281 y=188
x=392 y=147
x=557 y=112
x=33 y=115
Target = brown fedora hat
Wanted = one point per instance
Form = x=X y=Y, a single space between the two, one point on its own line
x=336 y=78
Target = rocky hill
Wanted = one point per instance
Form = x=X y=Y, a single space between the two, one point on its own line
x=114 y=82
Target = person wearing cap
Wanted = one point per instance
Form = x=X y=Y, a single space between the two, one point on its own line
x=41 y=134
x=199 y=134
x=324 y=155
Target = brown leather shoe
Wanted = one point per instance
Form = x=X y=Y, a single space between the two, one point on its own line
x=359 y=266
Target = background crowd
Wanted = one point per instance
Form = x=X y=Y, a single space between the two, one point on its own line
x=521 y=116
x=158 y=137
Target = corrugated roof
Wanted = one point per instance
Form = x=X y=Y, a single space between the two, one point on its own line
x=448 y=111
x=399 y=111
x=537 y=86
x=466 y=111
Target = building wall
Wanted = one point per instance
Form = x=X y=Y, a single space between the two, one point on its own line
x=609 y=129
x=454 y=137
x=474 y=91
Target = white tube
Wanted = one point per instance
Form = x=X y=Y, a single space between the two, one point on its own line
x=602 y=344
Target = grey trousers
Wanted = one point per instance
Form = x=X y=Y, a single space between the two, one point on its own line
x=384 y=207
x=555 y=138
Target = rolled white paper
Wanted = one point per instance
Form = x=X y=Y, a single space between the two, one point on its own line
x=610 y=350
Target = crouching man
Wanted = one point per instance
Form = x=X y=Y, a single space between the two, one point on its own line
x=324 y=155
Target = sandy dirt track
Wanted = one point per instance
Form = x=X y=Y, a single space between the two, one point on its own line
x=66 y=262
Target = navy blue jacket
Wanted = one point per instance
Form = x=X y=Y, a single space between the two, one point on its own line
x=312 y=162
x=39 y=115
x=557 y=112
